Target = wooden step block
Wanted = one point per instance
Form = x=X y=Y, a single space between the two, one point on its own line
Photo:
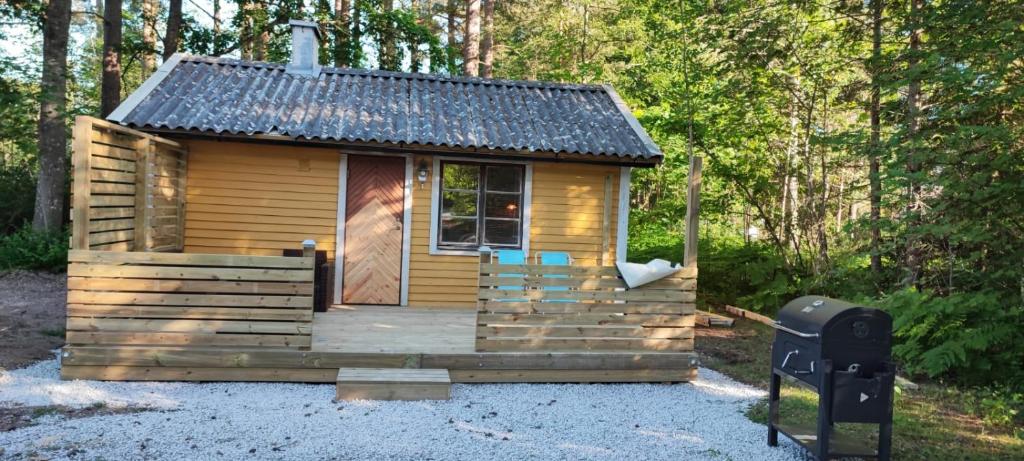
x=393 y=384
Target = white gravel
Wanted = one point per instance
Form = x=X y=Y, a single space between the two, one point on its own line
x=696 y=421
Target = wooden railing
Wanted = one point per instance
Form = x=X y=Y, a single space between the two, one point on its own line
x=571 y=308
x=175 y=299
x=128 y=192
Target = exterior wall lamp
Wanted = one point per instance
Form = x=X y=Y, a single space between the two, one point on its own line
x=421 y=172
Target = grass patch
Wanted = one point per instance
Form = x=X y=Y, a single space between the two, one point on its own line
x=934 y=422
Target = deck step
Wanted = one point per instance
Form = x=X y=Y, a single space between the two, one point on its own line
x=393 y=384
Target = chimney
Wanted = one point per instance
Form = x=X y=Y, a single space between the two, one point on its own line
x=305 y=48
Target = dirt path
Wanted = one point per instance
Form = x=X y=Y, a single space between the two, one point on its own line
x=32 y=308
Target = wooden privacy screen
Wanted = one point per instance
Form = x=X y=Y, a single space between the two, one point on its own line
x=167 y=299
x=128 y=190
x=569 y=308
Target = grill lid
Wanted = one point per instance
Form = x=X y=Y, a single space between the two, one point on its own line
x=810 y=316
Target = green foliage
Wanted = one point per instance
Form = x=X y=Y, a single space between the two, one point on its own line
x=32 y=250
x=999 y=407
x=975 y=337
x=731 y=271
x=17 y=193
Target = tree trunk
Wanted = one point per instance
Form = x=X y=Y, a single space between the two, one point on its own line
x=216 y=28
x=173 y=33
x=53 y=144
x=259 y=42
x=98 y=18
x=822 y=214
x=487 y=44
x=149 y=8
x=874 y=146
x=415 y=55
x=245 y=36
x=912 y=258
x=355 y=50
x=323 y=22
x=388 y=59
x=260 y=35
x=110 y=87
x=840 y=207
x=342 y=33
x=788 y=176
x=452 y=13
x=471 y=40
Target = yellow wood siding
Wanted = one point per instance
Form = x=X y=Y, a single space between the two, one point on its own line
x=568 y=210
x=435 y=280
x=260 y=199
x=567 y=213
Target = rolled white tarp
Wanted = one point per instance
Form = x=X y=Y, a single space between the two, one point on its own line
x=640 y=274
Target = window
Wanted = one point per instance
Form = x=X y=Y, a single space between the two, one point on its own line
x=481 y=204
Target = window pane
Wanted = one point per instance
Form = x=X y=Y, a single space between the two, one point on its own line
x=502 y=205
x=504 y=178
x=459 y=176
x=458 y=230
x=501 y=232
x=458 y=204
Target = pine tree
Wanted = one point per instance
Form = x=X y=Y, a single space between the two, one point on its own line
x=110 y=96
x=52 y=141
x=471 y=41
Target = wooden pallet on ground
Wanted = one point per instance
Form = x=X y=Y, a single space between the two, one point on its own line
x=743 y=313
x=708 y=319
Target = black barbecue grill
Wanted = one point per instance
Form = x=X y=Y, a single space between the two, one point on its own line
x=843 y=351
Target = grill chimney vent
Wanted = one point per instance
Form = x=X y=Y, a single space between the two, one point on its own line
x=305 y=48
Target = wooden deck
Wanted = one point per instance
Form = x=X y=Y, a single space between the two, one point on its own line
x=375 y=337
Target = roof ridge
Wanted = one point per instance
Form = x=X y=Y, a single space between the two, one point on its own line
x=405 y=75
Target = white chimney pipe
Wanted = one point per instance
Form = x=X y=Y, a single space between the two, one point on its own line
x=305 y=48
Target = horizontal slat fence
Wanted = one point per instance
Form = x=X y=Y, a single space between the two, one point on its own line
x=570 y=308
x=177 y=299
x=128 y=190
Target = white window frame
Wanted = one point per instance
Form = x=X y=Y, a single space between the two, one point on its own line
x=435 y=200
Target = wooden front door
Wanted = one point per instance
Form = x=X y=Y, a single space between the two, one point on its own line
x=374 y=213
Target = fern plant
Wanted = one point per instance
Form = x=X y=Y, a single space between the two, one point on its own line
x=974 y=337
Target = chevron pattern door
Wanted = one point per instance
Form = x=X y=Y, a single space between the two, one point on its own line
x=373 y=230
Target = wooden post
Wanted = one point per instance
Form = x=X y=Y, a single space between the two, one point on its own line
x=692 y=212
x=82 y=185
x=143 y=158
x=480 y=333
x=485 y=258
x=181 y=191
x=606 y=223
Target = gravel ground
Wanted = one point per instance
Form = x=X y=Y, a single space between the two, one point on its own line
x=701 y=420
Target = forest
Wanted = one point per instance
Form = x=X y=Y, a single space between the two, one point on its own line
x=871 y=150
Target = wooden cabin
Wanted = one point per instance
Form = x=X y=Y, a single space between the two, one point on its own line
x=192 y=201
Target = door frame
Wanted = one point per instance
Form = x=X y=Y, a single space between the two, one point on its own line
x=339 y=238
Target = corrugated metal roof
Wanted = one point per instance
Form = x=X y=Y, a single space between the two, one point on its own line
x=222 y=95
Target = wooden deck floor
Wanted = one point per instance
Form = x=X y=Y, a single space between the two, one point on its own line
x=374 y=337
x=398 y=330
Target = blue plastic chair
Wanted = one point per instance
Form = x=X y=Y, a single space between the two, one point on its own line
x=509 y=257
x=555 y=258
